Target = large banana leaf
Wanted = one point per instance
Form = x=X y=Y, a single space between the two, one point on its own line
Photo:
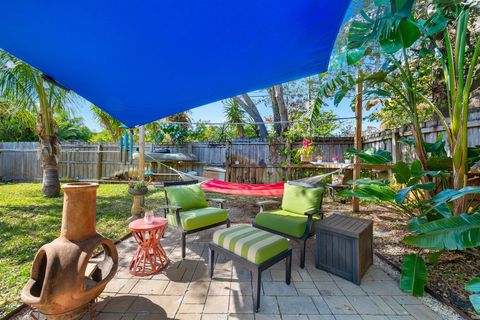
x=474 y=286
x=402 y=194
x=454 y=233
x=372 y=156
x=382 y=182
x=370 y=192
x=414 y=275
x=448 y=195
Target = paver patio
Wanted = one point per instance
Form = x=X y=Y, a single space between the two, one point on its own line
x=184 y=291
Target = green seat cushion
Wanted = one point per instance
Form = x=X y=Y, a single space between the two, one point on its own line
x=283 y=221
x=198 y=218
x=299 y=199
x=188 y=197
x=253 y=244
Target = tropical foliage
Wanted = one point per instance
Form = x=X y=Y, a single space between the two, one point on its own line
x=34 y=100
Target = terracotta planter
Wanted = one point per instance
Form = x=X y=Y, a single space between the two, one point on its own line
x=64 y=276
x=306 y=158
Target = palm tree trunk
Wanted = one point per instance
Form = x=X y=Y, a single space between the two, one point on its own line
x=51 y=180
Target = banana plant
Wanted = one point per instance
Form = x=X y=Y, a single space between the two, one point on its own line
x=459 y=68
x=448 y=233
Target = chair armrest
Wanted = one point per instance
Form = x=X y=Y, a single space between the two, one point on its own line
x=262 y=204
x=312 y=212
x=218 y=201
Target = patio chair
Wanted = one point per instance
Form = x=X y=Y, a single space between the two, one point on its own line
x=300 y=209
x=189 y=210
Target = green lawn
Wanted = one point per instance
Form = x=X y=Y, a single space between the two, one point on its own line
x=28 y=220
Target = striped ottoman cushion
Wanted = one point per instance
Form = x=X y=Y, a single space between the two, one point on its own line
x=250 y=243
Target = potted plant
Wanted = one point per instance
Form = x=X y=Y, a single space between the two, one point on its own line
x=347 y=157
x=305 y=152
x=335 y=159
x=138 y=188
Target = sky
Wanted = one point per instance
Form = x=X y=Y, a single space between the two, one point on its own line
x=213 y=112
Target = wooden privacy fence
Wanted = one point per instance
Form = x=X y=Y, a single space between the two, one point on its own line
x=389 y=139
x=245 y=160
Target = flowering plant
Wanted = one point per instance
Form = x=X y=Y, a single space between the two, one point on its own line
x=306 y=149
x=335 y=158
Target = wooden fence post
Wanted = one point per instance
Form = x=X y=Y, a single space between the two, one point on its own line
x=228 y=156
x=396 y=153
x=357 y=168
x=98 y=174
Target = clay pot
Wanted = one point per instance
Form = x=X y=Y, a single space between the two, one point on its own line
x=64 y=276
x=306 y=158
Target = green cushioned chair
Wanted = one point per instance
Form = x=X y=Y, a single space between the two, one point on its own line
x=188 y=209
x=300 y=209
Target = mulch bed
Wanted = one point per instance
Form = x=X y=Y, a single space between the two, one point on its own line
x=447 y=278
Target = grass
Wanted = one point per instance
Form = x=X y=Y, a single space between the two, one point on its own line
x=28 y=220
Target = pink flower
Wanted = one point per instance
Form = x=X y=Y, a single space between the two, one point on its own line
x=306 y=143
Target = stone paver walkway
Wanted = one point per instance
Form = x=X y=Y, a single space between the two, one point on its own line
x=184 y=291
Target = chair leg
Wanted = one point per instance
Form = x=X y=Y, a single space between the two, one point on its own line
x=288 y=268
x=228 y=223
x=257 y=288
x=184 y=244
x=302 y=254
x=211 y=261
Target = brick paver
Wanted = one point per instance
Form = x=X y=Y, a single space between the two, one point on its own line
x=184 y=291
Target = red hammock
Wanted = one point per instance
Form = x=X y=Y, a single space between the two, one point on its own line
x=240 y=189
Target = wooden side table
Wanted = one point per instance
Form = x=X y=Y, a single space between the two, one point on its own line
x=150 y=257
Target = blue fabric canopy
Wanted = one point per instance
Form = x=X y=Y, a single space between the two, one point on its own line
x=144 y=60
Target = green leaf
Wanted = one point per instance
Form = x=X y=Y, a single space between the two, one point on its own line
x=372 y=156
x=400 y=37
x=440 y=163
x=370 y=192
x=414 y=275
x=475 y=300
x=473 y=285
x=340 y=94
x=402 y=194
x=355 y=54
x=402 y=172
x=378 y=76
x=415 y=222
x=454 y=233
x=382 y=182
x=433 y=257
x=449 y=195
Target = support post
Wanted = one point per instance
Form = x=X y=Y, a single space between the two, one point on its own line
x=98 y=174
x=396 y=154
x=357 y=141
x=141 y=158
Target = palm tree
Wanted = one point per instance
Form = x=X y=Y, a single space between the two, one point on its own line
x=32 y=97
x=112 y=125
x=235 y=114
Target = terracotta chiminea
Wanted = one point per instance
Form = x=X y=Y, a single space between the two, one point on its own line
x=64 y=277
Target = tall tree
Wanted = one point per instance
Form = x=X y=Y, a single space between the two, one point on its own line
x=33 y=94
x=250 y=107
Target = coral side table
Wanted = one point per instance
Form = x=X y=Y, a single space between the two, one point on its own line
x=150 y=257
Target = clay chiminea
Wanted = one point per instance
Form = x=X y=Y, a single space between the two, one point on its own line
x=64 y=277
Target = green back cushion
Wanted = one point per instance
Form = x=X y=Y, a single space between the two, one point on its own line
x=299 y=199
x=188 y=197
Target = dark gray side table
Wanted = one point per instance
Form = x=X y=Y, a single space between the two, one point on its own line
x=344 y=246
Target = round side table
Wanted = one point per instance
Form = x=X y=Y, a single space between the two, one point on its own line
x=150 y=257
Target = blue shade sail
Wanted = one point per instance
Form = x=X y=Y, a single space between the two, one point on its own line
x=144 y=60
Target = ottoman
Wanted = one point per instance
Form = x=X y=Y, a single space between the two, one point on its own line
x=254 y=249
